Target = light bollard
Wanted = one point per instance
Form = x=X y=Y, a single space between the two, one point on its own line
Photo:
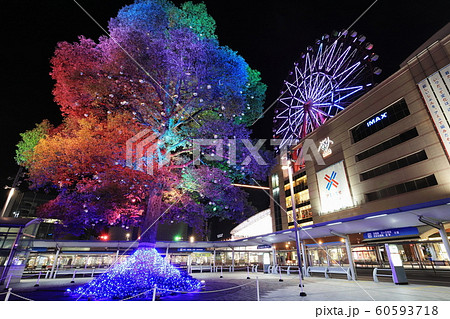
x=39 y=278
x=280 y=275
x=73 y=276
x=248 y=275
x=221 y=272
x=93 y=270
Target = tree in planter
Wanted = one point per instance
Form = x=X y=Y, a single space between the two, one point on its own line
x=163 y=70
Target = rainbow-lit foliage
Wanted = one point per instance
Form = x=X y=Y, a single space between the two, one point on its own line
x=137 y=274
x=162 y=69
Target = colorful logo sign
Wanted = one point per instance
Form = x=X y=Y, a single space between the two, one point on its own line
x=334 y=190
x=331 y=180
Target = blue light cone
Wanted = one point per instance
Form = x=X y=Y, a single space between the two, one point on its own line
x=137 y=274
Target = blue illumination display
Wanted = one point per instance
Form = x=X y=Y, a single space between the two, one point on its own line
x=135 y=275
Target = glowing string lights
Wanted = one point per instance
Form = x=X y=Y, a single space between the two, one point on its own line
x=137 y=274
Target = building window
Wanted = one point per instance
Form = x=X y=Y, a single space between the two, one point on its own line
x=402 y=188
x=403 y=137
x=276 y=202
x=300 y=184
x=303 y=214
x=379 y=121
x=392 y=166
x=301 y=199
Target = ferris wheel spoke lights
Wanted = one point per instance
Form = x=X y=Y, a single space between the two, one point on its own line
x=326 y=79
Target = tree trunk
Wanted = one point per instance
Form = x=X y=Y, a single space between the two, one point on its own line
x=149 y=224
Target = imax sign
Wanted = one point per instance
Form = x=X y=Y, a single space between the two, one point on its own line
x=376 y=119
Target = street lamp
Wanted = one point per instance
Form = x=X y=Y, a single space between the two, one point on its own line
x=12 y=189
x=8 y=200
x=294 y=217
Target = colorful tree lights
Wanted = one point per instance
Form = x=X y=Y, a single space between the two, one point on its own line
x=138 y=274
x=162 y=69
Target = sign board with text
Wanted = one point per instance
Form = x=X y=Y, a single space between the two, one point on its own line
x=386 y=233
x=435 y=92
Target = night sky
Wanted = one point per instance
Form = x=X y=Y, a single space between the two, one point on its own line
x=269 y=34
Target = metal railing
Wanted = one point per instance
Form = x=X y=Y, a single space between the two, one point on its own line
x=376 y=274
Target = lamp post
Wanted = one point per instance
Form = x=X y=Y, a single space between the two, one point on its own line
x=8 y=200
x=294 y=217
x=11 y=191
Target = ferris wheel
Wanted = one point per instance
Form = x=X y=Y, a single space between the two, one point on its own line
x=329 y=76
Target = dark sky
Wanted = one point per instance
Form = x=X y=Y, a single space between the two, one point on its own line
x=269 y=34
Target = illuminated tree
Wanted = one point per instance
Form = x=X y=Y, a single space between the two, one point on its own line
x=161 y=69
x=29 y=140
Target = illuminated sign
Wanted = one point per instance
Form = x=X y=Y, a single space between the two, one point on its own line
x=406 y=231
x=324 y=146
x=376 y=119
x=263 y=246
x=191 y=249
x=333 y=188
x=395 y=257
x=436 y=93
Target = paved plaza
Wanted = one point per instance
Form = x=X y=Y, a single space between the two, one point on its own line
x=236 y=287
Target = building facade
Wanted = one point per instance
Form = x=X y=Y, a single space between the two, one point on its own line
x=387 y=151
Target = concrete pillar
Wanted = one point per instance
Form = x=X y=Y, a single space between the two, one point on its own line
x=274 y=256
